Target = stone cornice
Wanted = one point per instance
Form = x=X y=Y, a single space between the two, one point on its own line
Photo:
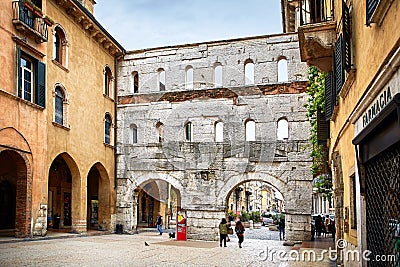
x=91 y=26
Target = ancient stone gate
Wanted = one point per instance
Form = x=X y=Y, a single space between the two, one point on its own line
x=173 y=103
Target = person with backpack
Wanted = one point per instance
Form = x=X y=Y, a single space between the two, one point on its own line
x=239 y=229
x=223 y=232
x=159 y=222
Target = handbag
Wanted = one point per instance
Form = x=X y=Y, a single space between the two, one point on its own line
x=230 y=231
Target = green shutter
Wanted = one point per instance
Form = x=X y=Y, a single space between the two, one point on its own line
x=40 y=84
x=19 y=78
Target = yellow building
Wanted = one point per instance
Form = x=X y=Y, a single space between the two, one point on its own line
x=358 y=43
x=62 y=135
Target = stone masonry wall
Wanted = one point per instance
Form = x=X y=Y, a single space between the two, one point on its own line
x=204 y=171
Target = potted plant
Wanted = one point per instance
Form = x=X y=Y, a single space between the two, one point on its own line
x=255 y=216
x=49 y=21
x=245 y=217
x=28 y=5
x=37 y=11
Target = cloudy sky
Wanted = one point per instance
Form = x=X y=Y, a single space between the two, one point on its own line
x=137 y=24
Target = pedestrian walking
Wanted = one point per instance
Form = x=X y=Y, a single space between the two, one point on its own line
x=223 y=232
x=326 y=224
x=159 y=222
x=281 y=226
x=239 y=229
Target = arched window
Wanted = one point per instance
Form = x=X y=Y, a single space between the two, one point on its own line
x=250 y=126
x=107 y=129
x=248 y=72
x=108 y=81
x=189 y=77
x=59 y=106
x=160 y=131
x=161 y=79
x=217 y=75
x=134 y=134
x=60 y=46
x=283 y=129
x=219 y=131
x=135 y=82
x=282 y=70
x=188 y=132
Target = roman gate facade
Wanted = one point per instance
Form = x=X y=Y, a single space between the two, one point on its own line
x=198 y=120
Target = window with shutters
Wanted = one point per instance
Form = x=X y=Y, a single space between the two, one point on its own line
x=346 y=24
x=330 y=95
x=31 y=79
x=339 y=65
x=376 y=10
x=59 y=106
x=107 y=129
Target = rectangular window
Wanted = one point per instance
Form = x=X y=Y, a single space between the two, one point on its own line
x=353 y=202
x=31 y=79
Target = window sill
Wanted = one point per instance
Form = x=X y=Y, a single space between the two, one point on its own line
x=58 y=64
x=14 y=97
x=108 y=145
x=61 y=126
x=107 y=97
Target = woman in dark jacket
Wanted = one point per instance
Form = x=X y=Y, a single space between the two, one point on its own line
x=223 y=232
x=239 y=229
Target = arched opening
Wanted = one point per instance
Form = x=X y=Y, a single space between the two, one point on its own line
x=160 y=131
x=219 y=131
x=248 y=72
x=283 y=129
x=189 y=78
x=98 y=198
x=134 y=136
x=155 y=196
x=135 y=82
x=250 y=128
x=108 y=81
x=260 y=207
x=60 y=45
x=107 y=129
x=217 y=75
x=282 y=70
x=59 y=106
x=59 y=210
x=189 y=132
x=161 y=79
x=14 y=195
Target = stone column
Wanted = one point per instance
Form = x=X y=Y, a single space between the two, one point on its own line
x=203 y=224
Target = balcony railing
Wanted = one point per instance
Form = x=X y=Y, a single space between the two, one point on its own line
x=25 y=20
x=315 y=11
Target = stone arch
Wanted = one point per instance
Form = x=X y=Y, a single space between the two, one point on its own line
x=16 y=175
x=236 y=180
x=72 y=212
x=99 y=206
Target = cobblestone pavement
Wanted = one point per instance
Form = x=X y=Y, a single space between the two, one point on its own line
x=263 y=234
x=130 y=250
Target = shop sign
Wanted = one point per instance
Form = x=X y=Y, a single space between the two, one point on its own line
x=379 y=103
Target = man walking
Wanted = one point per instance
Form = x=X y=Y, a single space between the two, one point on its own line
x=159 y=223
